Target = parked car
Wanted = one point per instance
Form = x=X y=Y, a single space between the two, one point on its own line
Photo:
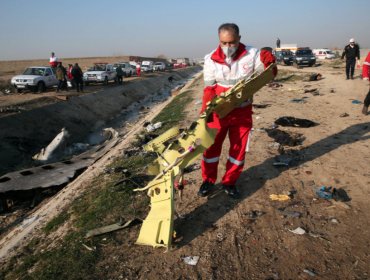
x=100 y=73
x=126 y=68
x=304 y=57
x=323 y=53
x=35 y=78
x=159 y=66
x=284 y=57
x=147 y=66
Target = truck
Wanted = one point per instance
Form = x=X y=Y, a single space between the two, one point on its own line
x=35 y=78
x=101 y=72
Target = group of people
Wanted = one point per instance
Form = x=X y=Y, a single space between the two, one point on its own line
x=73 y=74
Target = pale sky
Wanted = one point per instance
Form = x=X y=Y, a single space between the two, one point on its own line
x=72 y=28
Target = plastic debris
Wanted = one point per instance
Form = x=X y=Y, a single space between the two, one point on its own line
x=356 y=101
x=152 y=127
x=191 y=260
x=298 y=230
x=324 y=192
x=279 y=197
x=343 y=115
x=309 y=272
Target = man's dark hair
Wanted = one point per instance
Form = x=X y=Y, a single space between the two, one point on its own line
x=229 y=27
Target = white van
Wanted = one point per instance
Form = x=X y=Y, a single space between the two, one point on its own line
x=323 y=53
x=147 y=66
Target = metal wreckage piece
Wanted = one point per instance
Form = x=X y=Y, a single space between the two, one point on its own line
x=178 y=149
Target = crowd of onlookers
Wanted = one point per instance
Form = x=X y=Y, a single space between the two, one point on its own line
x=73 y=73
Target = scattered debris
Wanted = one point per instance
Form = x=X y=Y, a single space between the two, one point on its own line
x=12 y=109
x=46 y=153
x=334 y=221
x=261 y=106
x=333 y=193
x=285 y=138
x=274 y=85
x=113 y=227
x=197 y=102
x=282 y=160
x=152 y=127
x=191 y=260
x=315 y=77
x=324 y=192
x=89 y=248
x=312 y=90
x=220 y=237
x=295 y=122
x=289 y=213
x=191 y=168
x=298 y=230
x=344 y=115
x=279 y=197
x=254 y=214
x=356 y=101
x=309 y=272
x=298 y=100
x=332 y=90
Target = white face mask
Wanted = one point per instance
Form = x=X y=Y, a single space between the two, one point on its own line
x=229 y=51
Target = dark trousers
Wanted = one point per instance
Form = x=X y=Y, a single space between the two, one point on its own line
x=119 y=80
x=350 y=67
x=78 y=84
x=367 y=99
x=62 y=84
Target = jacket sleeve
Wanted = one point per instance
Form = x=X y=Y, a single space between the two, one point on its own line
x=209 y=82
x=366 y=68
x=343 y=53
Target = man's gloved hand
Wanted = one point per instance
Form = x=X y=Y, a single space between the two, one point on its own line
x=268 y=58
x=208 y=94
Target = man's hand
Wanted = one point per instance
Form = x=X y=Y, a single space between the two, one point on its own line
x=208 y=95
x=268 y=58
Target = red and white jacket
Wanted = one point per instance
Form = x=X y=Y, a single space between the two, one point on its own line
x=53 y=61
x=366 y=68
x=221 y=73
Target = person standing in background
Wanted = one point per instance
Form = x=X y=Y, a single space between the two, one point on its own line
x=351 y=52
x=53 y=61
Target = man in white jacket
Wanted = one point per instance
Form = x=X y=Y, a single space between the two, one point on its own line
x=223 y=68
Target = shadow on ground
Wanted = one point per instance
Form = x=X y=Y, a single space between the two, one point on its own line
x=207 y=214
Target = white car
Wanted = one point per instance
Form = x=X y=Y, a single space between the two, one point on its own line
x=147 y=66
x=323 y=53
x=100 y=73
x=159 y=66
x=35 y=78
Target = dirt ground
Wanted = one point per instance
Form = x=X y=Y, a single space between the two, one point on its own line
x=250 y=238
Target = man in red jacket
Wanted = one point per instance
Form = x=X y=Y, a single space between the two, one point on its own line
x=231 y=62
x=366 y=76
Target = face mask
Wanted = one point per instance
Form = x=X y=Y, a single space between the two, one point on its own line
x=229 y=51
